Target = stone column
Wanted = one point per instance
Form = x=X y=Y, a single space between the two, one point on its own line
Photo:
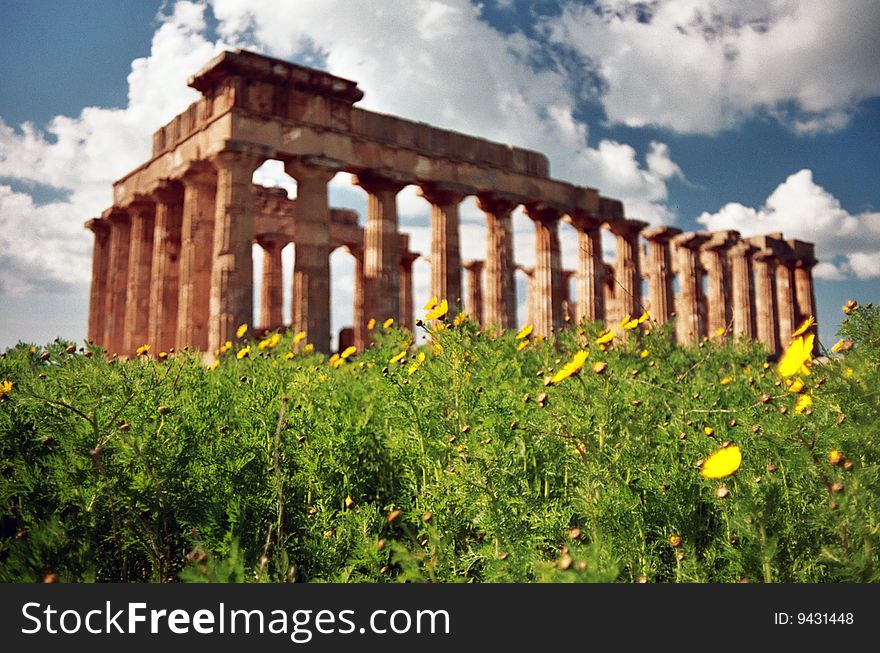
x=475 y=289
x=547 y=277
x=311 y=266
x=766 y=320
x=196 y=255
x=568 y=313
x=232 y=279
x=661 y=294
x=100 y=280
x=719 y=308
x=360 y=320
x=117 y=284
x=407 y=305
x=165 y=284
x=627 y=273
x=591 y=268
x=381 y=248
x=742 y=291
x=445 y=248
x=140 y=261
x=786 y=301
x=271 y=293
x=688 y=325
x=500 y=300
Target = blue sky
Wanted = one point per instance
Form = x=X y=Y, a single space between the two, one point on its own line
x=700 y=113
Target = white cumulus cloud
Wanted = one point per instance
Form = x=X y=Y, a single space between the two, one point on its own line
x=846 y=244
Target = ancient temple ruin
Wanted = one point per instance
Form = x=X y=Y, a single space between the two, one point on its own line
x=173 y=266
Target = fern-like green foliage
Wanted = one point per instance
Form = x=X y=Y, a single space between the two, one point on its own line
x=468 y=466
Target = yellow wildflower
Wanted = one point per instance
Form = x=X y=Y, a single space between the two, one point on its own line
x=348 y=352
x=387 y=323
x=525 y=332
x=242 y=353
x=289 y=355
x=339 y=362
x=399 y=357
x=431 y=303
x=803 y=403
x=299 y=337
x=143 y=349
x=605 y=336
x=438 y=311
x=371 y=324
x=850 y=306
x=644 y=317
x=842 y=345
x=572 y=367
x=719 y=331
x=848 y=372
x=270 y=342
x=708 y=430
x=629 y=323
x=333 y=359
x=417 y=363
x=722 y=463
x=796 y=385
x=309 y=348
x=5 y=388
x=806 y=324
x=226 y=347
x=835 y=457
x=797 y=357
x=522 y=345
x=726 y=380
x=459 y=319
x=645 y=353
x=241 y=331
x=438 y=349
x=349 y=502
x=214 y=365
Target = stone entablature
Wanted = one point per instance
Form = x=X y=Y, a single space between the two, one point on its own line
x=173 y=266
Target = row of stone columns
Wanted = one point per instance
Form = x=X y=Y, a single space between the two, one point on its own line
x=174 y=268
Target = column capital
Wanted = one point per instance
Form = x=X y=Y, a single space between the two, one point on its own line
x=441 y=193
x=497 y=203
x=625 y=227
x=408 y=258
x=661 y=233
x=473 y=264
x=167 y=190
x=610 y=209
x=376 y=181
x=691 y=239
x=271 y=239
x=313 y=167
x=543 y=212
x=584 y=220
x=236 y=158
x=97 y=226
x=115 y=215
x=742 y=248
x=200 y=172
x=140 y=204
x=721 y=240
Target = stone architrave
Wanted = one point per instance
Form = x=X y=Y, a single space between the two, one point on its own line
x=742 y=289
x=627 y=273
x=381 y=247
x=445 y=247
x=196 y=256
x=100 y=279
x=474 y=305
x=499 y=308
x=719 y=307
x=591 y=268
x=547 y=275
x=688 y=324
x=117 y=287
x=140 y=261
x=271 y=292
x=661 y=294
x=164 y=286
x=232 y=281
x=766 y=320
x=311 y=266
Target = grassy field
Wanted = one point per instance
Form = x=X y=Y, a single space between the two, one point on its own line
x=471 y=459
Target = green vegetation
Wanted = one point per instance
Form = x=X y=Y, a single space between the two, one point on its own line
x=457 y=462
